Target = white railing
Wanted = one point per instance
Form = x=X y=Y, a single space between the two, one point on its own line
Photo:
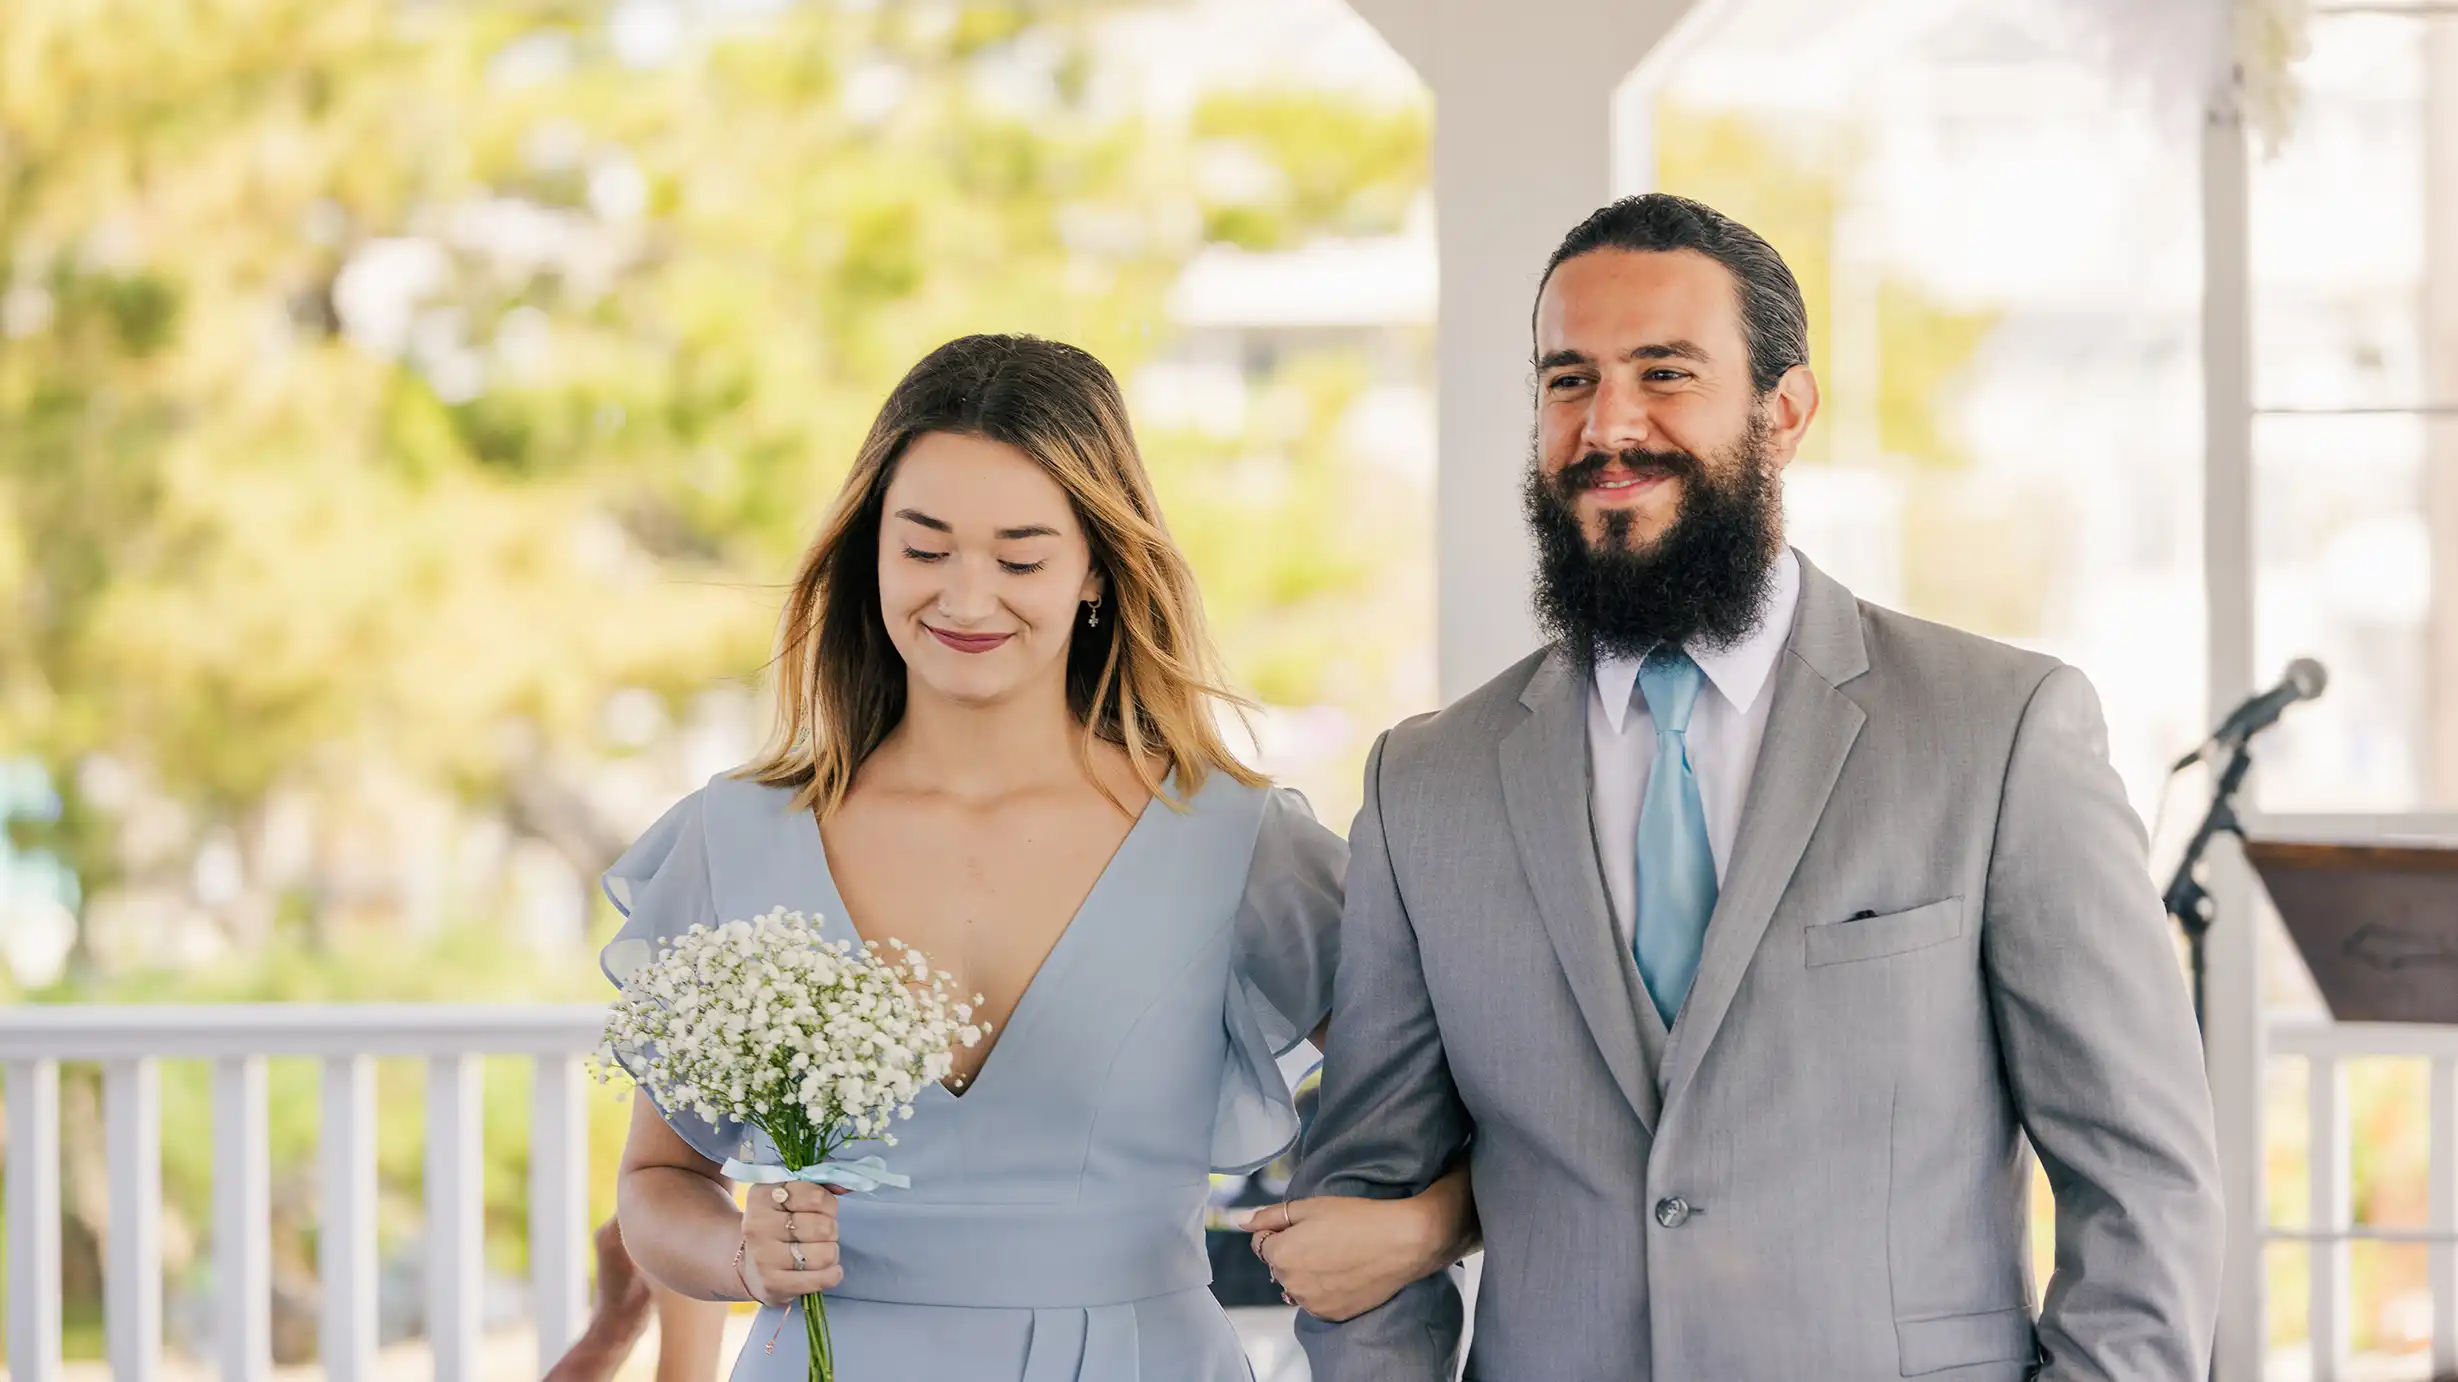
x=2330 y=1228
x=129 y=1042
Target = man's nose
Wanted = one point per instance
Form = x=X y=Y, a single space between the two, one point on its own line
x=1617 y=420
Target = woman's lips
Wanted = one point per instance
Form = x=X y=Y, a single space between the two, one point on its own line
x=969 y=642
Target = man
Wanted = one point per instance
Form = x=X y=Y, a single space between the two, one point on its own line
x=1743 y=934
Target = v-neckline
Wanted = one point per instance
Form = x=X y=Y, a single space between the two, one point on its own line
x=843 y=914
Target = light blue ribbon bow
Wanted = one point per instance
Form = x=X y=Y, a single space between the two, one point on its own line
x=863 y=1176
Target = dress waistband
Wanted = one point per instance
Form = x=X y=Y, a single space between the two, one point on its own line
x=1023 y=1256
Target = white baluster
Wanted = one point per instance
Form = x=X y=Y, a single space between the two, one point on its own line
x=132 y=1275
x=455 y=1215
x=2328 y=1211
x=346 y=1240
x=242 y=1222
x=558 y=1204
x=34 y=1220
x=2443 y=1203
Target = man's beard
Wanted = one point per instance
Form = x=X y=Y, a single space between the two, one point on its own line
x=1702 y=583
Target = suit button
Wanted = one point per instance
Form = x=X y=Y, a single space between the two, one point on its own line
x=1673 y=1213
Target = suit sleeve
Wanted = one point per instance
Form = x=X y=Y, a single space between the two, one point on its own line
x=1389 y=1120
x=2097 y=1033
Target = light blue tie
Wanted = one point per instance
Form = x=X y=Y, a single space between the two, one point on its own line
x=1676 y=864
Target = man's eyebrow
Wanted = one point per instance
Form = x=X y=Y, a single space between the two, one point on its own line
x=1654 y=350
x=925 y=520
x=1670 y=350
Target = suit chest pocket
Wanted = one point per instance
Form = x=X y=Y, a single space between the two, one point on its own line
x=1871 y=938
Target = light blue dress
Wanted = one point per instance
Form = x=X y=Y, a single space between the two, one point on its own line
x=1054 y=1228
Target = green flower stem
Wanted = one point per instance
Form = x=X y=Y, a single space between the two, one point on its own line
x=815 y=1334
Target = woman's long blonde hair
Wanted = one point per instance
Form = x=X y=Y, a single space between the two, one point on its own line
x=1145 y=678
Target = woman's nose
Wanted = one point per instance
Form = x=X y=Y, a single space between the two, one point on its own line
x=967 y=596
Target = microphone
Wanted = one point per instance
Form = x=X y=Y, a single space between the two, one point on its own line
x=2304 y=680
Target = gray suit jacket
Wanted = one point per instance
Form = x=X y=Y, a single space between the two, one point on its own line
x=1936 y=935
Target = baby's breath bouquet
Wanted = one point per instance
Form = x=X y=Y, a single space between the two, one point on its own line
x=816 y=1043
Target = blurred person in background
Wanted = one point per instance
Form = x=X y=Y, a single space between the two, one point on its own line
x=998 y=740
x=689 y=1332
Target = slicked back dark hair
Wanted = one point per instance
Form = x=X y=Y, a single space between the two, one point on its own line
x=1774 y=321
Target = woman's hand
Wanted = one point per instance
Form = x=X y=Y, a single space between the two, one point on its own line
x=1337 y=1257
x=789 y=1242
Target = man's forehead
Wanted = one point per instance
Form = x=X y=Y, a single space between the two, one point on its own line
x=1619 y=300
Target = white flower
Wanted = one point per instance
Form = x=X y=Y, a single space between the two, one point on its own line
x=765 y=1022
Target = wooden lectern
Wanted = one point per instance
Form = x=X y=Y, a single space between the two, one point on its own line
x=2377 y=924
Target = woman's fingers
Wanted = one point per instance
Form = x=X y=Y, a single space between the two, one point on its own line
x=778 y=1228
x=802 y=1197
x=1339 y=1259
x=810 y=1209
x=781 y=1280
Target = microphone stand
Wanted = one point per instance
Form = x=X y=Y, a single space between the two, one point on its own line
x=2187 y=900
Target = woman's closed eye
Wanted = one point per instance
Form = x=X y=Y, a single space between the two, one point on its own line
x=1012 y=568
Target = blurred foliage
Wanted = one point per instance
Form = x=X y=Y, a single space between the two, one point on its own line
x=386 y=386
x=1278 y=181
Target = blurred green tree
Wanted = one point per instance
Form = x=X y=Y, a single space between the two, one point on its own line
x=384 y=387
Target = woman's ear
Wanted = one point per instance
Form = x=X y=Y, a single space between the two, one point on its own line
x=1096 y=585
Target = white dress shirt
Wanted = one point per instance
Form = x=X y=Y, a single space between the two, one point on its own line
x=1726 y=726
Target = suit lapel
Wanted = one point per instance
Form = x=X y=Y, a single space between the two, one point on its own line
x=1810 y=730
x=1545 y=792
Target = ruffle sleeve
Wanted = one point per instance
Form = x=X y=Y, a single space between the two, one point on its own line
x=1286 y=947
x=661 y=886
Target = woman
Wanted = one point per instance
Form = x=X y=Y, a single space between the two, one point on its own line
x=997 y=741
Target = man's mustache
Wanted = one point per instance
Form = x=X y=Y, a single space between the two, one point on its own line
x=1588 y=471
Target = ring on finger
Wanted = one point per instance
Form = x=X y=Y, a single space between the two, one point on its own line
x=798 y=1265
x=790 y=1235
x=777 y=1195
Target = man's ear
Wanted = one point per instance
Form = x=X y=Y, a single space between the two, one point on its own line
x=1791 y=407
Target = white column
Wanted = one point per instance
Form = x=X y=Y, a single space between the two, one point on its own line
x=346 y=1234
x=455 y=1215
x=558 y=1204
x=132 y=1274
x=1523 y=150
x=34 y=1220
x=242 y=1222
x=2233 y=1039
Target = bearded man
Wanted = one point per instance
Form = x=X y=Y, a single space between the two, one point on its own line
x=1743 y=937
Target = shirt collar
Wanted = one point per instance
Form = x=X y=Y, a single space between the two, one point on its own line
x=1739 y=672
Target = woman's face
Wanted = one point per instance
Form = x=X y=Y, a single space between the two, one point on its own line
x=982 y=568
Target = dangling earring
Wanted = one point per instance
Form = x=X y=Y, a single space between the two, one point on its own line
x=1092 y=615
